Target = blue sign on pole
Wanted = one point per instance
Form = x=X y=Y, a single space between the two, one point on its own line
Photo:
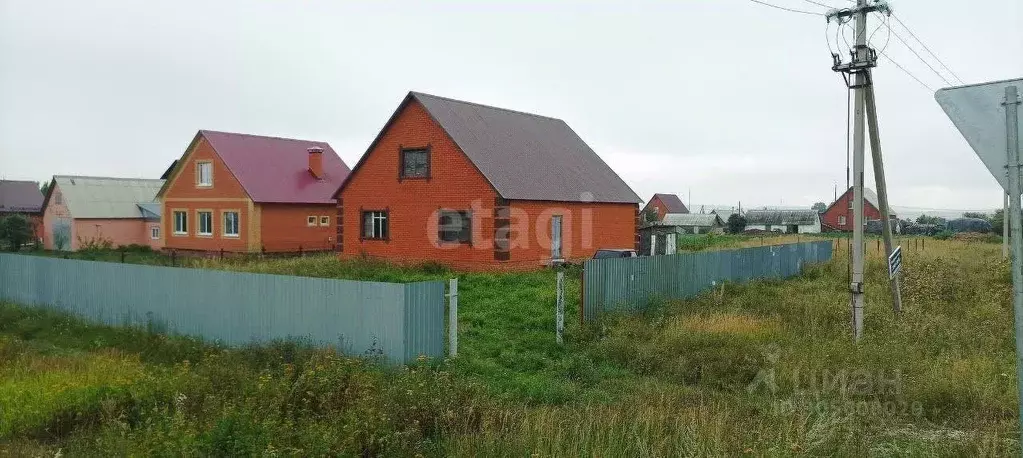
x=895 y=262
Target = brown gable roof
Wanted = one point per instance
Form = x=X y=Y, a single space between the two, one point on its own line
x=672 y=204
x=523 y=156
x=20 y=197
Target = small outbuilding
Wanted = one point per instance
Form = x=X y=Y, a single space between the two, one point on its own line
x=660 y=237
x=787 y=221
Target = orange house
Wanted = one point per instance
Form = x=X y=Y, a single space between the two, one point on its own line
x=250 y=193
x=478 y=187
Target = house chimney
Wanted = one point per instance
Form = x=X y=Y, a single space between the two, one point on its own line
x=316 y=162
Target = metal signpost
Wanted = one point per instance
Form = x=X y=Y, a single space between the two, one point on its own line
x=895 y=262
x=987 y=115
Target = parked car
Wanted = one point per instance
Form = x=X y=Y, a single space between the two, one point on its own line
x=615 y=253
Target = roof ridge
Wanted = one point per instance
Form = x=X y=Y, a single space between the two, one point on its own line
x=262 y=136
x=18 y=181
x=89 y=177
x=449 y=99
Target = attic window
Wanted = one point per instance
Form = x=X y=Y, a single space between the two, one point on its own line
x=204 y=174
x=415 y=163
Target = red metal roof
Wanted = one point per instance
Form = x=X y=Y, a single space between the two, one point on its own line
x=276 y=170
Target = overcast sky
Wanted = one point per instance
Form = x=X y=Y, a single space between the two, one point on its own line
x=727 y=99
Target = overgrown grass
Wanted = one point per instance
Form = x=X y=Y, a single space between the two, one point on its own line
x=768 y=368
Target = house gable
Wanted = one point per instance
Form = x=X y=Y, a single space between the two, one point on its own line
x=453 y=183
x=182 y=183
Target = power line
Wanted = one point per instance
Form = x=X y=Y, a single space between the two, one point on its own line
x=918 y=56
x=907 y=72
x=793 y=10
x=927 y=49
x=820 y=4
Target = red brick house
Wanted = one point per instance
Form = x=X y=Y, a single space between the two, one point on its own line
x=478 y=187
x=663 y=204
x=250 y=193
x=839 y=215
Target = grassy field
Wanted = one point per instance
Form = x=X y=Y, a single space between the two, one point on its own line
x=762 y=369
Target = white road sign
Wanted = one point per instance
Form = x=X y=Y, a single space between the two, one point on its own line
x=979 y=114
x=895 y=262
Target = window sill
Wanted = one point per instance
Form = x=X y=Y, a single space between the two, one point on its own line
x=205 y=236
x=204 y=186
x=364 y=239
x=231 y=236
x=180 y=234
x=414 y=178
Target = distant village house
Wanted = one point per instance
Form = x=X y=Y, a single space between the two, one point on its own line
x=664 y=204
x=22 y=198
x=101 y=212
x=786 y=221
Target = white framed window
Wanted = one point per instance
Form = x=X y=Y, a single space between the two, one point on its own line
x=58 y=199
x=204 y=174
x=841 y=220
x=310 y=221
x=154 y=232
x=181 y=222
x=230 y=224
x=205 y=222
x=374 y=225
x=324 y=221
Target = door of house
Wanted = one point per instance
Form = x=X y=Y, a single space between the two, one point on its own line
x=556 y=237
x=61 y=235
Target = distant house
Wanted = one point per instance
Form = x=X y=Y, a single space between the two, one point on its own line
x=479 y=187
x=839 y=215
x=79 y=212
x=249 y=193
x=660 y=237
x=663 y=204
x=24 y=198
x=787 y=221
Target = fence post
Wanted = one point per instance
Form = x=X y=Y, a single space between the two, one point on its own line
x=221 y=254
x=560 y=308
x=453 y=317
x=174 y=258
x=582 y=296
x=122 y=256
x=300 y=251
x=923 y=244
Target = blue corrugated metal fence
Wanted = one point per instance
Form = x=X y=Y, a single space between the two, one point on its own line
x=628 y=283
x=401 y=321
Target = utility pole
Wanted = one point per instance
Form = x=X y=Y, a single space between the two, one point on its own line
x=863 y=59
x=882 y=191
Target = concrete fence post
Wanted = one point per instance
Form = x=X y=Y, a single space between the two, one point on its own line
x=453 y=317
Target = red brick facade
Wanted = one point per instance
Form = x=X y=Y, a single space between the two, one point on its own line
x=454 y=183
x=839 y=216
x=657 y=206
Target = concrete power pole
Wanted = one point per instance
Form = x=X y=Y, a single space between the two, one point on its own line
x=863 y=59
